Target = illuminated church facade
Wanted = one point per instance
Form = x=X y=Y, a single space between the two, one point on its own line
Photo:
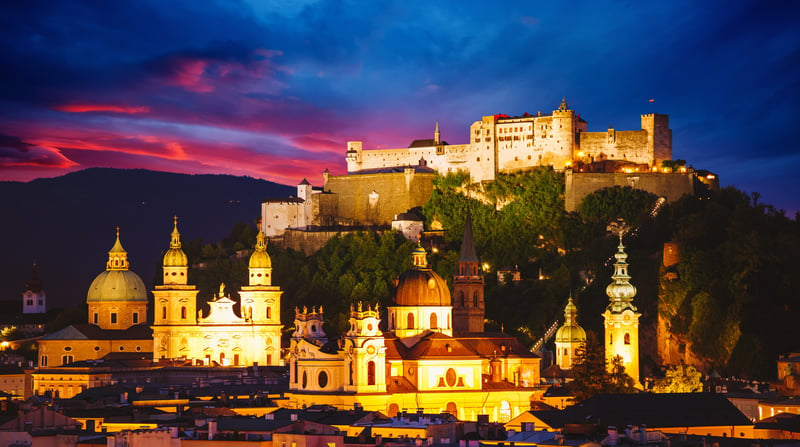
x=430 y=357
x=621 y=317
x=220 y=337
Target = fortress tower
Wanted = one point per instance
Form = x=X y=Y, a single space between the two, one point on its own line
x=659 y=137
x=468 y=307
x=621 y=318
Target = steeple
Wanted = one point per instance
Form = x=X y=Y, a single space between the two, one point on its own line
x=260 y=266
x=175 y=263
x=569 y=336
x=33 y=300
x=468 y=246
x=621 y=319
x=437 y=136
x=468 y=303
x=117 y=256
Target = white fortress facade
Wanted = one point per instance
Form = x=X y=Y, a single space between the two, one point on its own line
x=504 y=144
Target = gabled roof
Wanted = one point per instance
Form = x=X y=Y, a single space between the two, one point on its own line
x=427 y=142
x=658 y=410
x=438 y=345
x=490 y=344
x=91 y=332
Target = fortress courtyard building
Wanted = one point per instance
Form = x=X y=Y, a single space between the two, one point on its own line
x=430 y=354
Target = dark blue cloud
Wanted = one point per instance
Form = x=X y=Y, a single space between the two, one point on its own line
x=271 y=76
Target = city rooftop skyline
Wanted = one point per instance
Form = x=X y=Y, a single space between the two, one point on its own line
x=274 y=89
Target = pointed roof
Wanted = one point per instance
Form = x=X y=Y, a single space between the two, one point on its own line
x=304 y=182
x=34 y=284
x=468 y=246
x=117 y=256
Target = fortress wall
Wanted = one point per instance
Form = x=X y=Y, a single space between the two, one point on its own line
x=309 y=242
x=672 y=186
x=395 y=193
x=630 y=145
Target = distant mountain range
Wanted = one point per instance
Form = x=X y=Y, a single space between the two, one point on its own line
x=67 y=224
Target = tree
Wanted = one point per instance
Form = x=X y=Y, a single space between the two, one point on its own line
x=589 y=369
x=680 y=379
x=591 y=375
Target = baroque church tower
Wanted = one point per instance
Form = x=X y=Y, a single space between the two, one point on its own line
x=468 y=307
x=621 y=318
x=569 y=336
x=261 y=301
x=175 y=304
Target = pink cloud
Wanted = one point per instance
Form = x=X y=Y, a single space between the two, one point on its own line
x=82 y=108
x=188 y=73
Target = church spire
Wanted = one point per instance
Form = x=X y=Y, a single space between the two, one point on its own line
x=437 y=136
x=175 y=242
x=468 y=246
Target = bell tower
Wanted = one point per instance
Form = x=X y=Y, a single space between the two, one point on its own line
x=468 y=304
x=365 y=352
x=621 y=318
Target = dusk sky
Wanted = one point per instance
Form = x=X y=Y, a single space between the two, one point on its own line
x=274 y=88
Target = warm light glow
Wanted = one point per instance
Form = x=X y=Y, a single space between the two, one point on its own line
x=665 y=169
x=568 y=164
x=711 y=176
x=435 y=250
x=655 y=169
x=581 y=154
x=485 y=267
x=683 y=169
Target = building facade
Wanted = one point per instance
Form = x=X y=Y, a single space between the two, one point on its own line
x=221 y=336
x=504 y=144
x=417 y=362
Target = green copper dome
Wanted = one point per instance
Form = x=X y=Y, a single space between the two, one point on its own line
x=260 y=258
x=117 y=283
x=175 y=257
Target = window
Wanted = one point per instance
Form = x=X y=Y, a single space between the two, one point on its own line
x=627 y=338
x=611 y=339
x=434 y=321
x=66 y=359
x=295 y=371
x=183 y=312
x=164 y=312
x=113 y=318
x=135 y=318
x=322 y=379
x=475 y=299
x=30 y=302
x=352 y=373
x=410 y=321
x=43 y=362
x=94 y=318
x=371 y=373
x=305 y=380
x=269 y=312
x=461 y=298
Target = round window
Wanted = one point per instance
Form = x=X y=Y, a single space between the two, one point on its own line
x=450 y=377
x=322 y=379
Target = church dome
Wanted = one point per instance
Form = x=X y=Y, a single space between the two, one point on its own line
x=570 y=334
x=421 y=286
x=117 y=283
x=175 y=257
x=260 y=258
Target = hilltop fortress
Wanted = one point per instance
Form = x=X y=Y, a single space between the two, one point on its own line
x=382 y=185
x=505 y=144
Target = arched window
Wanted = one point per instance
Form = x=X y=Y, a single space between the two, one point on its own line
x=163 y=312
x=475 y=299
x=452 y=409
x=352 y=373
x=505 y=411
x=410 y=321
x=627 y=338
x=269 y=312
x=371 y=373
x=295 y=370
x=393 y=410
x=183 y=313
x=461 y=297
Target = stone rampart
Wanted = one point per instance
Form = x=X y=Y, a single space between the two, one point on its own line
x=672 y=186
